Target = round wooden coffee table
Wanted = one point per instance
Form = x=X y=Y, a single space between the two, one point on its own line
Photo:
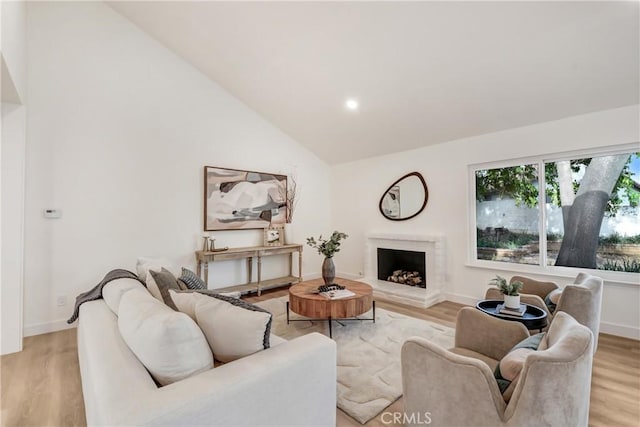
x=303 y=301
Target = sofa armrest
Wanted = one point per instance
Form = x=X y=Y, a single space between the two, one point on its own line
x=291 y=384
x=436 y=381
x=486 y=334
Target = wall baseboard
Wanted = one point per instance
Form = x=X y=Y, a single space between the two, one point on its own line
x=620 y=330
x=47 y=327
x=345 y=275
x=461 y=299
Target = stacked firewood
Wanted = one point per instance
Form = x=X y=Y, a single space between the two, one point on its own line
x=410 y=278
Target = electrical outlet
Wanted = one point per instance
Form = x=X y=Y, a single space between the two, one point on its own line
x=62 y=300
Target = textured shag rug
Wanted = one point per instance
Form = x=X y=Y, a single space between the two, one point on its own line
x=369 y=373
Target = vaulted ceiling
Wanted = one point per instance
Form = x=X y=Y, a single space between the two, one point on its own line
x=422 y=72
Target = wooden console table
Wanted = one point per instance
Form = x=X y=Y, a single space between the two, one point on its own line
x=203 y=258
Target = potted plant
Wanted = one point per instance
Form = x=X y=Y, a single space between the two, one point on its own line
x=511 y=291
x=328 y=248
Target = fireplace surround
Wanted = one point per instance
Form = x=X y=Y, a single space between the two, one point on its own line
x=433 y=248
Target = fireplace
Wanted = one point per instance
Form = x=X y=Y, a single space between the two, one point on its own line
x=402 y=267
x=426 y=254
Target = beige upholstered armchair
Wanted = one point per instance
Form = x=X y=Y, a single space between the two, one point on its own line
x=582 y=300
x=457 y=387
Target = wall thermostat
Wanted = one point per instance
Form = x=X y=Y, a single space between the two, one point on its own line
x=52 y=213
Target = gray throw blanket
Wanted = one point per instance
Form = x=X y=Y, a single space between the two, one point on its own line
x=96 y=292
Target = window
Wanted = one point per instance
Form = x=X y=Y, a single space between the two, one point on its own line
x=590 y=218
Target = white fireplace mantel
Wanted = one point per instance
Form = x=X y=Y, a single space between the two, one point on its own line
x=431 y=245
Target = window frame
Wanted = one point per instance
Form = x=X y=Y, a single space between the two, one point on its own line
x=540 y=269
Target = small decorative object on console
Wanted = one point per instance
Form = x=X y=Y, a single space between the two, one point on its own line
x=274 y=236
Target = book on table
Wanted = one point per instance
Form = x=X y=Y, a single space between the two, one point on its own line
x=502 y=309
x=337 y=294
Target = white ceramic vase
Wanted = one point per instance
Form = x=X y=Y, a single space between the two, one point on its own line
x=512 y=301
x=288 y=234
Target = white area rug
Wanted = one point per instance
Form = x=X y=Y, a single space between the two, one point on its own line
x=369 y=375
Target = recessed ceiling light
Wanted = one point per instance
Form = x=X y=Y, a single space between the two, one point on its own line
x=352 y=104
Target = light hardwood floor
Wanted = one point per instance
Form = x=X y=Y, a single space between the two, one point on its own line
x=41 y=384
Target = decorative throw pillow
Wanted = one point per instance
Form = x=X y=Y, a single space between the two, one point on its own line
x=159 y=284
x=168 y=343
x=192 y=280
x=233 y=328
x=552 y=299
x=508 y=370
x=113 y=291
x=185 y=300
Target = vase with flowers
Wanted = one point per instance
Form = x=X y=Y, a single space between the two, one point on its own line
x=328 y=248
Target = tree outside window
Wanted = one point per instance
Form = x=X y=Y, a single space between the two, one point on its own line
x=592 y=218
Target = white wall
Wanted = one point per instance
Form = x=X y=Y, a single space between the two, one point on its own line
x=119 y=131
x=357 y=187
x=13 y=31
x=12 y=222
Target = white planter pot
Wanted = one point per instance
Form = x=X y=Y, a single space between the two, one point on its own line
x=512 y=301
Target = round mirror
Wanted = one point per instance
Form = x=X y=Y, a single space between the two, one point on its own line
x=405 y=198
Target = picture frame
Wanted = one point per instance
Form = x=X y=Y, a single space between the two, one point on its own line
x=274 y=236
x=237 y=199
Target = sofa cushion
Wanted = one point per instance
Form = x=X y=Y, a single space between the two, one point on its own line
x=159 y=283
x=191 y=279
x=112 y=292
x=185 y=301
x=168 y=343
x=508 y=370
x=234 y=328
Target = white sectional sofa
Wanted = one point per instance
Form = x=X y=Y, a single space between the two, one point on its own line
x=292 y=383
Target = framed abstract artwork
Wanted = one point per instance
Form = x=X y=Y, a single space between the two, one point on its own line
x=238 y=199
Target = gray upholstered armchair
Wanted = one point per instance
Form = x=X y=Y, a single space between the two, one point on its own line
x=457 y=387
x=582 y=300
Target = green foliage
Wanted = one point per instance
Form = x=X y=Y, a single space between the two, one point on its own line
x=506 y=288
x=617 y=239
x=505 y=240
x=326 y=247
x=515 y=182
x=554 y=237
x=520 y=184
x=627 y=265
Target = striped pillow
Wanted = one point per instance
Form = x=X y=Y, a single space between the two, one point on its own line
x=191 y=280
